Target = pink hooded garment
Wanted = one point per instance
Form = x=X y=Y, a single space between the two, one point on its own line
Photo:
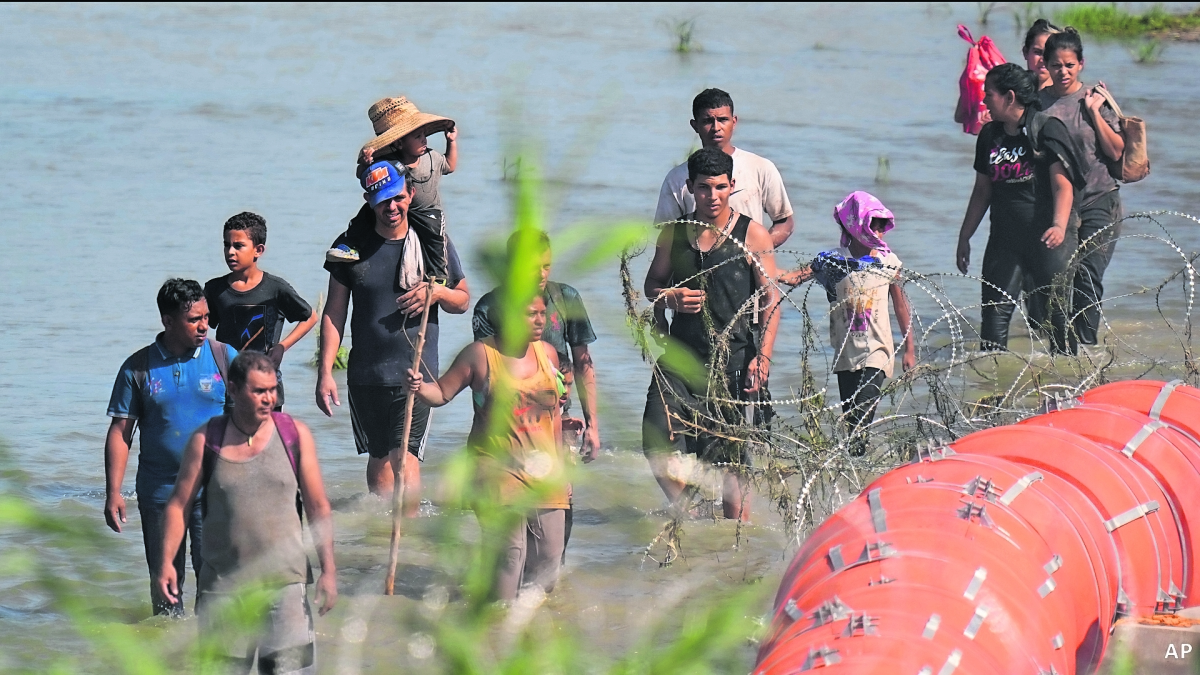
x=855 y=213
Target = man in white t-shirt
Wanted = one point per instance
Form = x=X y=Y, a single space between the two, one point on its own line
x=758 y=185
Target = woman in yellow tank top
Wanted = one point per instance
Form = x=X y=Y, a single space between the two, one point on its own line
x=517 y=438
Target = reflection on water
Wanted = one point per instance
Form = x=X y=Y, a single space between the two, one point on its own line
x=131 y=133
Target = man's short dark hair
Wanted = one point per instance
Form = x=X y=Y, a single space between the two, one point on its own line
x=710 y=99
x=250 y=223
x=245 y=362
x=537 y=239
x=178 y=295
x=710 y=162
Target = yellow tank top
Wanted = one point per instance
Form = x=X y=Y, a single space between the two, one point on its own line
x=517 y=432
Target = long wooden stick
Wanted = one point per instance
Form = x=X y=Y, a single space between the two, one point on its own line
x=398 y=462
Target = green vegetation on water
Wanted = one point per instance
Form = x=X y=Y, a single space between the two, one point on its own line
x=1111 y=20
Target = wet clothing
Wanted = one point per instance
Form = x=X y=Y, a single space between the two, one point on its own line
x=252 y=530
x=531 y=554
x=384 y=339
x=861 y=391
x=681 y=410
x=254 y=319
x=179 y=394
x=1070 y=109
x=377 y=417
x=1098 y=203
x=525 y=452
x=286 y=645
x=1022 y=209
x=152 y=539
x=758 y=189
x=860 y=325
x=1099 y=227
x=729 y=284
x=567 y=321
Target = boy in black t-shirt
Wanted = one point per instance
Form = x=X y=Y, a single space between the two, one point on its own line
x=248 y=306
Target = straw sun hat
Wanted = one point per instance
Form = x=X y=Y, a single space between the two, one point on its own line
x=394 y=118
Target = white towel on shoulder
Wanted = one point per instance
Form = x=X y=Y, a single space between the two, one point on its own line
x=412 y=265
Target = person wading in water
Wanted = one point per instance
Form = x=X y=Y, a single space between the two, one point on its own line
x=516 y=438
x=709 y=273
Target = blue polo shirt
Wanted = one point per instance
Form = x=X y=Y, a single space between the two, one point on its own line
x=180 y=394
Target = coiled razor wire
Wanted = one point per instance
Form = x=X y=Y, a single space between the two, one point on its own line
x=802 y=460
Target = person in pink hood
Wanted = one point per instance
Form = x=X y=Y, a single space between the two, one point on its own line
x=858 y=277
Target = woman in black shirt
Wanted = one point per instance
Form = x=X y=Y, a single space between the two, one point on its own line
x=1026 y=174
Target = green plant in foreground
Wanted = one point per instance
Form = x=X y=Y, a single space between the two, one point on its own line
x=1111 y=20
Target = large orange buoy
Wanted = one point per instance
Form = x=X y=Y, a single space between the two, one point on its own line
x=1012 y=550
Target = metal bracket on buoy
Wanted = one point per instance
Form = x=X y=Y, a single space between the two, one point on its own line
x=1140 y=437
x=1018 y=487
x=1161 y=401
x=792 y=610
x=952 y=662
x=878 y=514
x=1047 y=588
x=1131 y=515
x=976 y=622
x=976 y=583
x=931 y=626
x=971 y=510
x=931 y=452
x=1054 y=565
x=830 y=611
x=880 y=581
x=819 y=658
x=981 y=487
x=861 y=624
x=1058 y=641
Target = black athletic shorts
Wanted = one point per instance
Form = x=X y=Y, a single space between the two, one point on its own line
x=377 y=415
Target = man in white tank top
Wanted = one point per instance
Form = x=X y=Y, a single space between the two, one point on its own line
x=759 y=187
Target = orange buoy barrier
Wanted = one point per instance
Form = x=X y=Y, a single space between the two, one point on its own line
x=1011 y=550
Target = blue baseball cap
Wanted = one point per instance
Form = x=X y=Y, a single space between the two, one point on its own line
x=382 y=181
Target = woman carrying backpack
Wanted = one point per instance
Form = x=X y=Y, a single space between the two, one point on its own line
x=1095 y=129
x=1026 y=173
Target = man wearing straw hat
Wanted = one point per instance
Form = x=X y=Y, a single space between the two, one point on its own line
x=401 y=131
x=389 y=285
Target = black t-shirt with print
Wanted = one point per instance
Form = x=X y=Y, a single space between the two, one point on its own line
x=1022 y=201
x=253 y=320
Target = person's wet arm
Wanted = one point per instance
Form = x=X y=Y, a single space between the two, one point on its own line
x=116 y=459
x=781 y=230
x=453 y=300
x=463 y=373
x=658 y=281
x=981 y=199
x=452 y=149
x=174 y=524
x=1108 y=140
x=904 y=318
x=585 y=376
x=297 y=333
x=1064 y=194
x=333 y=323
x=320 y=522
x=758 y=240
x=797 y=276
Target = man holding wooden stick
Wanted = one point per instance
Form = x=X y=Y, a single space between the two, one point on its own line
x=390 y=292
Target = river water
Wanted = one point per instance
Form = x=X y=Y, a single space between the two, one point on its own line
x=130 y=133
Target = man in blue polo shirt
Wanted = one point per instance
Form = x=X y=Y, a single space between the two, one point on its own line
x=168 y=389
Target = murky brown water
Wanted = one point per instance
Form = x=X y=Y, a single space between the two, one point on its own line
x=130 y=133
